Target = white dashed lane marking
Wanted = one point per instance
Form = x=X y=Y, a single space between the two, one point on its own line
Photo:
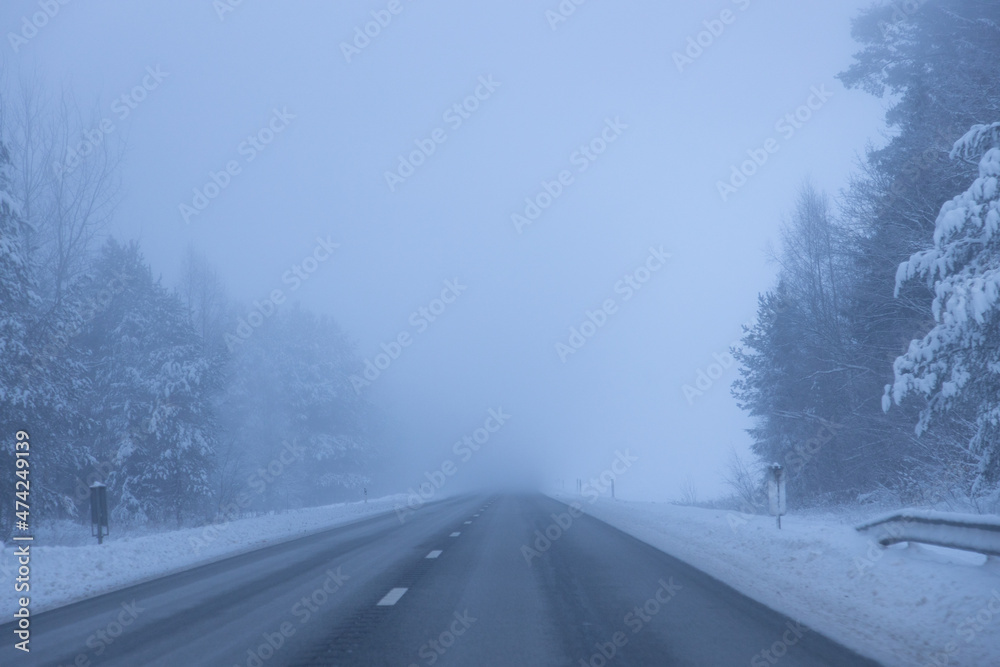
x=456 y=534
x=392 y=597
x=434 y=554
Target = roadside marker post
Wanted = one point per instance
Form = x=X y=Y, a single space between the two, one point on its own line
x=99 y=511
x=776 y=491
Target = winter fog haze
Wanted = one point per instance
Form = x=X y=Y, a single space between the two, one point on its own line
x=546 y=89
x=533 y=332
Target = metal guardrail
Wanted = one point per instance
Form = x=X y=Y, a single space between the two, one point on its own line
x=971 y=532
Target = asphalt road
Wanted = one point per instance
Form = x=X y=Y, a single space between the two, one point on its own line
x=466 y=581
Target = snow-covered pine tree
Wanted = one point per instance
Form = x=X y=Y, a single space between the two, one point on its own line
x=15 y=303
x=289 y=395
x=38 y=378
x=150 y=393
x=327 y=414
x=16 y=296
x=957 y=363
x=797 y=376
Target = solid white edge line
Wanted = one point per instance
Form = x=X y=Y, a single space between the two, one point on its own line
x=392 y=597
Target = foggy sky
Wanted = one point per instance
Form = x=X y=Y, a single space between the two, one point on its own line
x=550 y=91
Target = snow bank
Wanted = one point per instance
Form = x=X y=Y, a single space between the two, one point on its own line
x=914 y=606
x=61 y=574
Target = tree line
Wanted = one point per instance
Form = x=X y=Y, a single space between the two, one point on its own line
x=871 y=370
x=121 y=379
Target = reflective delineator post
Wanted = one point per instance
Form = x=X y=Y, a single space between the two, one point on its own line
x=99 y=511
x=776 y=490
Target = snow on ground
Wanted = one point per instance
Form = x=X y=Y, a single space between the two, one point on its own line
x=910 y=606
x=64 y=574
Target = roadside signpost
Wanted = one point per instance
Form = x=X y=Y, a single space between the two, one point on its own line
x=776 y=490
x=99 y=511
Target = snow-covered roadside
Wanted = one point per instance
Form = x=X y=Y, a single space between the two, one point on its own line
x=909 y=606
x=61 y=575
